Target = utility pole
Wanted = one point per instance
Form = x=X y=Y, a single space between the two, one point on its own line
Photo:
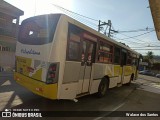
x=100 y=25
x=107 y=24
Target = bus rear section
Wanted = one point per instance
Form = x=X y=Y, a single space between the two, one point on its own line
x=33 y=67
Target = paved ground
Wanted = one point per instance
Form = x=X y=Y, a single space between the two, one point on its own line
x=149 y=78
x=148 y=83
x=142 y=95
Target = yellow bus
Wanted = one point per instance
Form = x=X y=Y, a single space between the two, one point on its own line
x=58 y=57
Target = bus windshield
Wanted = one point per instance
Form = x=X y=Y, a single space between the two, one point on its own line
x=38 y=30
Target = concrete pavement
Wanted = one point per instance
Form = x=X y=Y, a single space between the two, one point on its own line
x=149 y=78
x=140 y=96
x=5 y=74
x=148 y=83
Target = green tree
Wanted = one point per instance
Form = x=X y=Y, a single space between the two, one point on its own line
x=141 y=57
x=149 y=58
x=150 y=55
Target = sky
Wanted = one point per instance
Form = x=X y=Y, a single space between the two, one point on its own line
x=125 y=15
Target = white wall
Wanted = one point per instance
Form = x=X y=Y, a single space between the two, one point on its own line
x=7 y=60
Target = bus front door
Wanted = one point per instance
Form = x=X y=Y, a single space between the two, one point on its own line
x=88 y=57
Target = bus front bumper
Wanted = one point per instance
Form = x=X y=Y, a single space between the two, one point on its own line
x=37 y=87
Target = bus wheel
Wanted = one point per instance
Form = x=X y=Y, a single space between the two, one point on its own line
x=131 y=79
x=103 y=87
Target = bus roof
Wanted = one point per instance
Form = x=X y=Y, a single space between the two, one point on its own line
x=81 y=25
x=87 y=28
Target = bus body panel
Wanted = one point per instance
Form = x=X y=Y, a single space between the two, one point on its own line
x=39 y=52
x=32 y=65
x=68 y=91
x=101 y=70
x=59 y=49
x=33 y=61
x=40 y=88
x=69 y=83
x=94 y=86
x=127 y=72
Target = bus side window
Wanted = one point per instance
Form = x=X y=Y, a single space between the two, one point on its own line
x=73 y=50
x=117 y=55
x=129 y=58
x=123 y=57
x=100 y=52
x=74 y=47
x=133 y=61
x=105 y=53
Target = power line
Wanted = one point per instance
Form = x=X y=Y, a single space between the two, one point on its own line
x=82 y=19
x=138 y=35
x=138 y=30
x=146 y=49
x=132 y=38
x=74 y=12
x=95 y=25
x=149 y=44
x=145 y=46
x=127 y=41
x=98 y=20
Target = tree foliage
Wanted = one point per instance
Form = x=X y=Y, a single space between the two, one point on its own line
x=148 y=58
x=150 y=55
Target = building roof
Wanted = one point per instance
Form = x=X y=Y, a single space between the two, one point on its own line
x=10 y=9
x=155 y=10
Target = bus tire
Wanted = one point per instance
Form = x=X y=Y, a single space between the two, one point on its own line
x=103 y=87
x=131 y=79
